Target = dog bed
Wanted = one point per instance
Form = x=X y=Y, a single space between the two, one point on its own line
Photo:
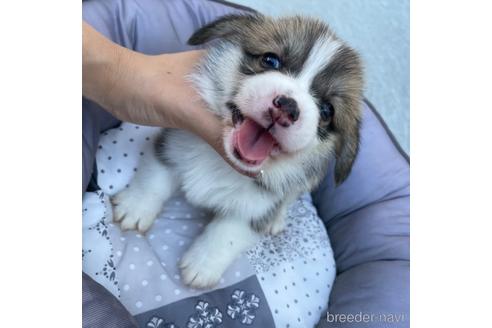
x=367 y=217
x=285 y=279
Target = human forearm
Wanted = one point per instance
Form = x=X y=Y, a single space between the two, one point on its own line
x=102 y=68
x=147 y=90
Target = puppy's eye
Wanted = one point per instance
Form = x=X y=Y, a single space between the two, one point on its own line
x=271 y=61
x=326 y=111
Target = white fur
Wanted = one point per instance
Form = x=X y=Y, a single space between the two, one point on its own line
x=212 y=183
x=256 y=96
x=214 y=250
x=319 y=56
x=222 y=61
x=207 y=182
x=137 y=206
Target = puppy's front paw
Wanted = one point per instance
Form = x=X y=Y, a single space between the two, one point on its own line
x=200 y=269
x=276 y=226
x=134 y=211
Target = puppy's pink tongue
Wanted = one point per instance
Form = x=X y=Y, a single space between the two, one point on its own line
x=254 y=143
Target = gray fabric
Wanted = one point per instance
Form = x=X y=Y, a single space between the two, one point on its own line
x=101 y=309
x=236 y=306
x=151 y=26
x=367 y=219
x=94 y=121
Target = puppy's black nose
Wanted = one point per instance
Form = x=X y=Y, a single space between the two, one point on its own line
x=286 y=110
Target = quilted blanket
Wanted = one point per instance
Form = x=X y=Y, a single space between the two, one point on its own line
x=284 y=281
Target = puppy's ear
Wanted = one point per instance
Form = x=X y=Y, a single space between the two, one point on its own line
x=346 y=71
x=229 y=26
x=346 y=148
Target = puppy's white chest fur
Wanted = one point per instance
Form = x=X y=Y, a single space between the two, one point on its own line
x=208 y=181
x=241 y=207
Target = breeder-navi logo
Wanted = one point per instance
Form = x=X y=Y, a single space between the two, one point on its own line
x=365 y=317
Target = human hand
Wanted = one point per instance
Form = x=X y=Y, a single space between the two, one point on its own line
x=147 y=90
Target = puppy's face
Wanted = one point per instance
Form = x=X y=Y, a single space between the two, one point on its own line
x=285 y=88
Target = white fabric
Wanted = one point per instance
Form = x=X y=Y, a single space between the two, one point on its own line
x=295 y=268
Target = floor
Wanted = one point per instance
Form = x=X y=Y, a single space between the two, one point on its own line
x=379 y=30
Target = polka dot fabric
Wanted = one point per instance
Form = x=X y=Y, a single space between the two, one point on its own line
x=295 y=268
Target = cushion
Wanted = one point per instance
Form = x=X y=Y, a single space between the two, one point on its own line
x=367 y=218
x=101 y=309
x=284 y=279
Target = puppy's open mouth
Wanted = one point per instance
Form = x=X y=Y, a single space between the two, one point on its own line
x=252 y=143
